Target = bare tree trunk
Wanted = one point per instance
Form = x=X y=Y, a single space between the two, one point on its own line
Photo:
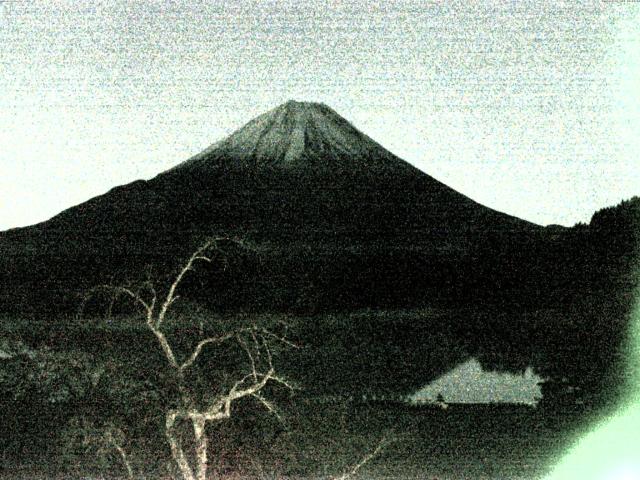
x=201 y=447
x=176 y=450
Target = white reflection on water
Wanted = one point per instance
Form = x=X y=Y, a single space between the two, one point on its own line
x=469 y=383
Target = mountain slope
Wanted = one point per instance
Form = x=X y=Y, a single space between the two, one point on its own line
x=334 y=223
x=331 y=214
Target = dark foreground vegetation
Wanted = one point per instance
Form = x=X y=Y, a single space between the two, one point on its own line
x=319 y=440
x=81 y=396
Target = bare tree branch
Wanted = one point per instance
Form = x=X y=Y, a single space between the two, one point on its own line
x=198 y=349
x=268 y=405
x=245 y=347
x=281 y=339
x=285 y=383
x=165 y=346
x=221 y=408
x=366 y=459
x=236 y=393
x=198 y=255
x=115 y=292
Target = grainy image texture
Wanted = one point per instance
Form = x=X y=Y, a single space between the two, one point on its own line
x=319 y=240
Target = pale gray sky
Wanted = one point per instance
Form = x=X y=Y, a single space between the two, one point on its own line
x=530 y=107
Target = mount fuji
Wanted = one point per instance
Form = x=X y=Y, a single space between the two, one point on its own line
x=334 y=217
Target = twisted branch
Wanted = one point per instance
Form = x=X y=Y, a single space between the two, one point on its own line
x=366 y=459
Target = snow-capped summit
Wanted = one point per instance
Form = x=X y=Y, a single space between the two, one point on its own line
x=297 y=134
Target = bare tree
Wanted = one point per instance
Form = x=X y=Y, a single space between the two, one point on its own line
x=256 y=342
